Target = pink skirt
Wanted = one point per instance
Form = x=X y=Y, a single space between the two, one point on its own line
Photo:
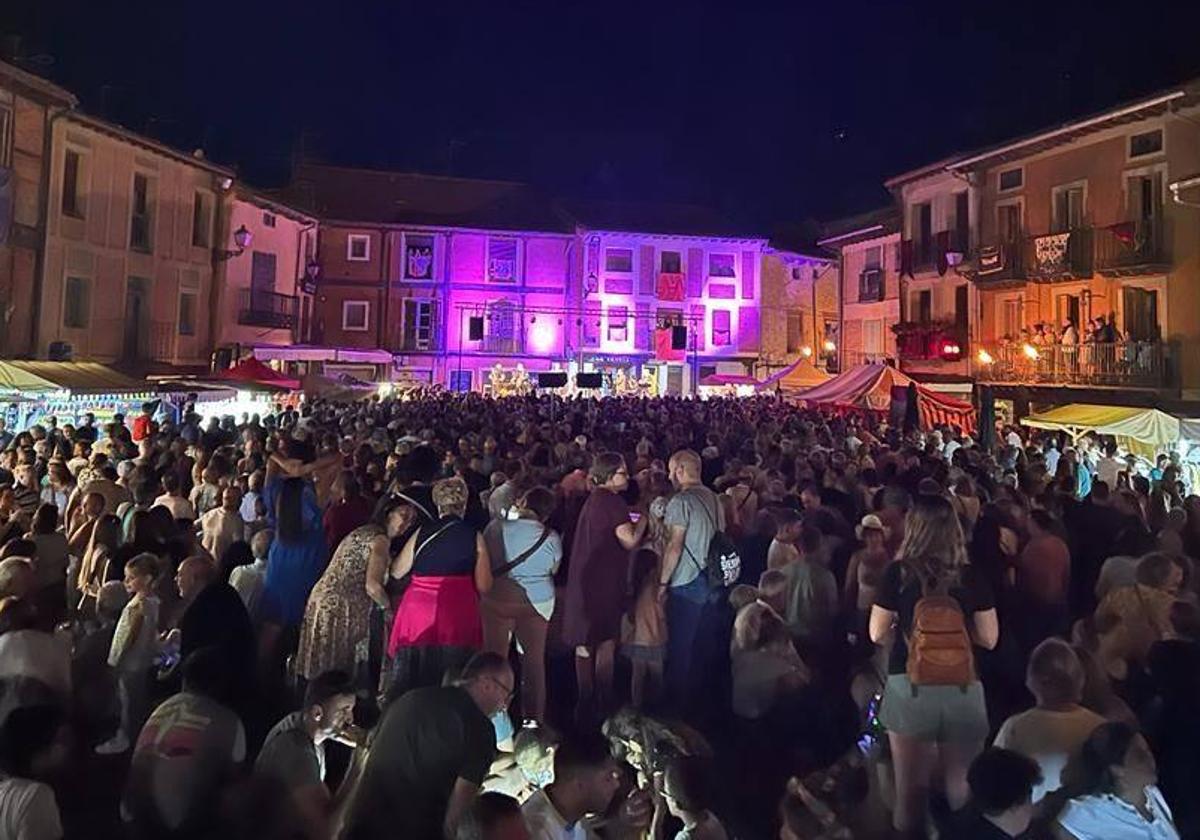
x=437 y=612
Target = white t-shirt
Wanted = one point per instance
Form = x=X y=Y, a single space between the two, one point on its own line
x=1048 y=738
x=1105 y=817
x=248 y=582
x=28 y=811
x=180 y=507
x=545 y=823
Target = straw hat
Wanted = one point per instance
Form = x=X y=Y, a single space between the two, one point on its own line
x=871 y=522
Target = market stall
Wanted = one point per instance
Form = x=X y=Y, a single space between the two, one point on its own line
x=68 y=390
x=728 y=385
x=871 y=388
x=798 y=376
x=339 y=388
x=1144 y=431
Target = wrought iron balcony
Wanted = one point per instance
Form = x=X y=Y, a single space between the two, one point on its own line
x=257 y=308
x=1129 y=248
x=1129 y=364
x=1043 y=257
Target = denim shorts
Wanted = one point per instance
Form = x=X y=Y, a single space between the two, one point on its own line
x=935 y=713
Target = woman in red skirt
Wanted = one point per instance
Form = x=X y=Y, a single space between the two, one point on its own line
x=437 y=626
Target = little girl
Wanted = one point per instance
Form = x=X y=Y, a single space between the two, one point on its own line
x=646 y=647
x=134 y=646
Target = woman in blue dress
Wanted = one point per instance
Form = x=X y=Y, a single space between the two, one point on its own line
x=297 y=557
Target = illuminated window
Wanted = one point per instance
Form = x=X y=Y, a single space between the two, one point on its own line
x=618 y=323
x=618 y=260
x=720 y=328
x=721 y=265
x=502 y=260
x=418 y=256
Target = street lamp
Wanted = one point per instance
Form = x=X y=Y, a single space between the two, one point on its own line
x=241 y=238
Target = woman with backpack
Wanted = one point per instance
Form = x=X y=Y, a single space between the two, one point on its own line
x=932 y=607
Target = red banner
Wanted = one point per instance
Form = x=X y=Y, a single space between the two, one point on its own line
x=662 y=346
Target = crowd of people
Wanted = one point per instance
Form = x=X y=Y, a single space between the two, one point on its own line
x=449 y=616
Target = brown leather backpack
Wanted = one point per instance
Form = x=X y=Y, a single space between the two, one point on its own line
x=939 y=646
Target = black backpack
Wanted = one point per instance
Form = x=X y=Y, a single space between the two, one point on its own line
x=722 y=563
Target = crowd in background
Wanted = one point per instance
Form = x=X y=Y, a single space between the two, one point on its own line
x=449 y=616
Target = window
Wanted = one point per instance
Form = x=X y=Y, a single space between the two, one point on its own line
x=1144 y=196
x=72 y=170
x=671 y=262
x=720 y=328
x=873 y=337
x=262 y=272
x=358 y=247
x=460 y=381
x=1014 y=320
x=1069 y=207
x=1011 y=179
x=873 y=257
x=962 y=221
x=1140 y=311
x=1008 y=222
x=924 y=306
x=795 y=331
x=502 y=260
x=1067 y=308
x=618 y=323
x=356 y=315
x=961 y=307
x=269 y=220
x=140 y=221
x=77 y=302
x=618 y=260
x=721 y=265
x=1146 y=143
x=870 y=285
x=418 y=324
x=187 y=314
x=6 y=134
x=418 y=256
x=501 y=327
x=921 y=233
x=201 y=220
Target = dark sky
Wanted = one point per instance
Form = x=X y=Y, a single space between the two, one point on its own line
x=771 y=112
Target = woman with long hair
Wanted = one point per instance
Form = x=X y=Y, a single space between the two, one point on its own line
x=927 y=722
x=97 y=557
x=296 y=559
x=437 y=626
x=1110 y=789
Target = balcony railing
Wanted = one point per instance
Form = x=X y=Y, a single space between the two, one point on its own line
x=1129 y=246
x=1001 y=261
x=257 y=308
x=1045 y=257
x=1132 y=364
x=916 y=341
x=924 y=254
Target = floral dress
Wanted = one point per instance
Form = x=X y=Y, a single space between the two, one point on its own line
x=335 y=632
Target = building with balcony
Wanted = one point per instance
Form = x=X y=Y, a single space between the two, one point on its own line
x=444 y=278
x=264 y=287
x=128 y=255
x=800 y=316
x=649 y=269
x=28 y=107
x=868 y=259
x=938 y=234
x=1076 y=228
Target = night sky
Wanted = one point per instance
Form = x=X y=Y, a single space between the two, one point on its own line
x=772 y=113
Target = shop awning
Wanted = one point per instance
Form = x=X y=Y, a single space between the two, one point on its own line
x=83 y=377
x=1143 y=425
x=15 y=380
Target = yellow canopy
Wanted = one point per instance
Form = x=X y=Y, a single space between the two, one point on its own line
x=798 y=376
x=81 y=377
x=1147 y=426
x=23 y=382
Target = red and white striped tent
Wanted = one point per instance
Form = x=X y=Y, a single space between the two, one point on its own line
x=869 y=388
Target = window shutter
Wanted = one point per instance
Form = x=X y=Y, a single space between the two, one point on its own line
x=749 y=279
x=748 y=333
x=646 y=271
x=591 y=324
x=696 y=325
x=695 y=273
x=641 y=327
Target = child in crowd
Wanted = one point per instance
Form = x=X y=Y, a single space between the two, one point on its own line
x=783 y=548
x=134 y=646
x=646 y=647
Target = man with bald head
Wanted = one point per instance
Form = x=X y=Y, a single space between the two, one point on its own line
x=693 y=607
x=214 y=616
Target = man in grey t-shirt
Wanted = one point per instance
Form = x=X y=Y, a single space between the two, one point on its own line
x=693 y=608
x=294 y=752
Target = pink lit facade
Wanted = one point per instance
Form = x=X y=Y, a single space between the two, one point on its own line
x=637 y=285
